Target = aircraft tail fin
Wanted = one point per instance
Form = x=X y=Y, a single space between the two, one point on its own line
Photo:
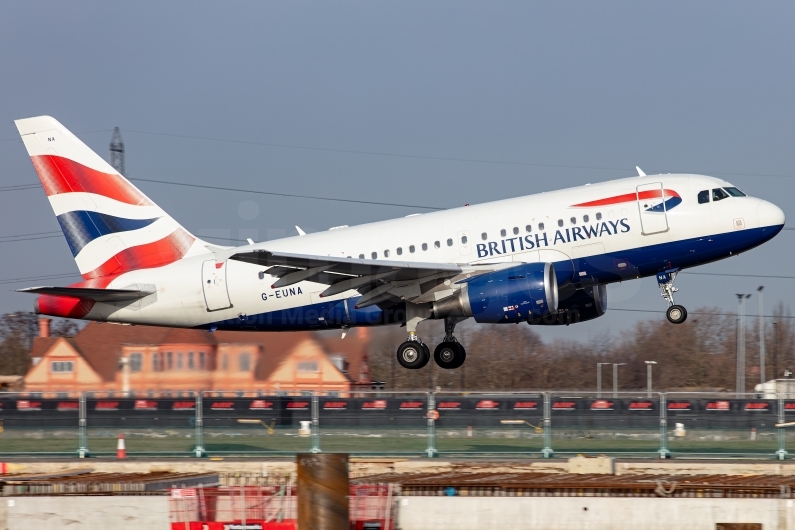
x=111 y=226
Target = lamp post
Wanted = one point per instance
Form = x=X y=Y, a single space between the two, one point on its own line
x=741 y=297
x=599 y=379
x=761 y=336
x=648 y=374
x=615 y=379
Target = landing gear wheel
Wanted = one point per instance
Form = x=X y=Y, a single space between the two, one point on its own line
x=413 y=354
x=676 y=314
x=449 y=355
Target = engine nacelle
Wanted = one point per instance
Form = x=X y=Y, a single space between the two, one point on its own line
x=584 y=304
x=527 y=291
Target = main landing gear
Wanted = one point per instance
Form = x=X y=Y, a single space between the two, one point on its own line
x=676 y=314
x=449 y=354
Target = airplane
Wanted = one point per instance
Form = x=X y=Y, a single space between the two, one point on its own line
x=544 y=259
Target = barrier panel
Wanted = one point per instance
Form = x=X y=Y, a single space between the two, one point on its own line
x=479 y=422
x=232 y=424
x=584 y=422
x=373 y=423
x=718 y=424
x=33 y=424
x=149 y=425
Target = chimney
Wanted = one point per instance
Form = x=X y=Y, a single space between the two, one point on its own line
x=44 y=327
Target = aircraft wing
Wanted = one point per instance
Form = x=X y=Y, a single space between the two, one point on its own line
x=379 y=281
x=98 y=295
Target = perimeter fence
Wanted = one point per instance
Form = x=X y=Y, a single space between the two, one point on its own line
x=527 y=424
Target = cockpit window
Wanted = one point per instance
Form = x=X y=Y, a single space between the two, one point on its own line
x=734 y=192
x=703 y=196
x=718 y=195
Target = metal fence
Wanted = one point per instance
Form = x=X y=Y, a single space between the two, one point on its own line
x=541 y=424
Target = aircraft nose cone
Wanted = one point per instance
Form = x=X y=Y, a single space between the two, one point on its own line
x=770 y=214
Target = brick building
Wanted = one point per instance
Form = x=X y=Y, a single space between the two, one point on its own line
x=145 y=359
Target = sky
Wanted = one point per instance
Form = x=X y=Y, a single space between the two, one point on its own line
x=419 y=103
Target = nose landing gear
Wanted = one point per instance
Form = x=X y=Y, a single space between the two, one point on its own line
x=676 y=314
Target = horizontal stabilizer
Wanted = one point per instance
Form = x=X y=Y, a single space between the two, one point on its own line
x=87 y=293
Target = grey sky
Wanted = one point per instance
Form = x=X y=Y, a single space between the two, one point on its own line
x=703 y=87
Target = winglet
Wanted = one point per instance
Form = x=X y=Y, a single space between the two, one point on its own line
x=300 y=232
x=640 y=172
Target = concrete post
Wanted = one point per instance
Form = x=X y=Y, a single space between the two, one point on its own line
x=199 y=451
x=431 y=451
x=315 y=423
x=547 y=451
x=82 y=451
x=663 y=451
x=781 y=433
x=323 y=491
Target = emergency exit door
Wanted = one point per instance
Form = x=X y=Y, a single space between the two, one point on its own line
x=651 y=205
x=216 y=295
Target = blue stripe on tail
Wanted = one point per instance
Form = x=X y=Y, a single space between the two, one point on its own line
x=82 y=227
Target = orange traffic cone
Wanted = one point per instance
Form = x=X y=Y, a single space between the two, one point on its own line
x=121 y=452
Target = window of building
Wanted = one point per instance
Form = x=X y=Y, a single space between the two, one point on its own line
x=540 y=226
x=718 y=195
x=425 y=246
x=734 y=192
x=400 y=251
x=464 y=240
x=179 y=361
x=136 y=362
x=515 y=230
x=484 y=236
x=560 y=222
x=170 y=360
x=155 y=362
x=191 y=361
x=598 y=216
x=411 y=249
x=333 y=394
x=386 y=253
x=436 y=244
x=585 y=218
x=308 y=367
x=245 y=362
x=306 y=393
x=374 y=255
x=202 y=360
x=449 y=242
x=62 y=367
x=225 y=362
x=703 y=197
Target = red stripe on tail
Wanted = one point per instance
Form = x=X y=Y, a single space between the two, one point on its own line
x=62 y=175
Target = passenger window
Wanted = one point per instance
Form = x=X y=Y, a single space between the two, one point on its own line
x=484 y=236
x=585 y=218
x=374 y=255
x=463 y=240
x=425 y=246
x=515 y=230
x=400 y=251
x=436 y=244
x=502 y=232
x=573 y=220
x=734 y=192
x=560 y=222
x=411 y=249
x=540 y=226
x=386 y=253
x=718 y=195
x=529 y=228
x=598 y=216
x=703 y=197
x=449 y=242
x=361 y=256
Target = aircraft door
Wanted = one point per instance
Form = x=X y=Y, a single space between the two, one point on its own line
x=651 y=205
x=216 y=295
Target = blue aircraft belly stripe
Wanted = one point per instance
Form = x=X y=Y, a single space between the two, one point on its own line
x=602 y=268
x=82 y=227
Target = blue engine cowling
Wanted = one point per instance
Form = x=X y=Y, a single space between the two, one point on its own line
x=527 y=291
x=581 y=305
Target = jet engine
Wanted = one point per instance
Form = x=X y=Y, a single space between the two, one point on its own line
x=583 y=304
x=527 y=291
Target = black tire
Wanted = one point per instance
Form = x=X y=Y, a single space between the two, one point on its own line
x=427 y=355
x=449 y=355
x=676 y=314
x=412 y=354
